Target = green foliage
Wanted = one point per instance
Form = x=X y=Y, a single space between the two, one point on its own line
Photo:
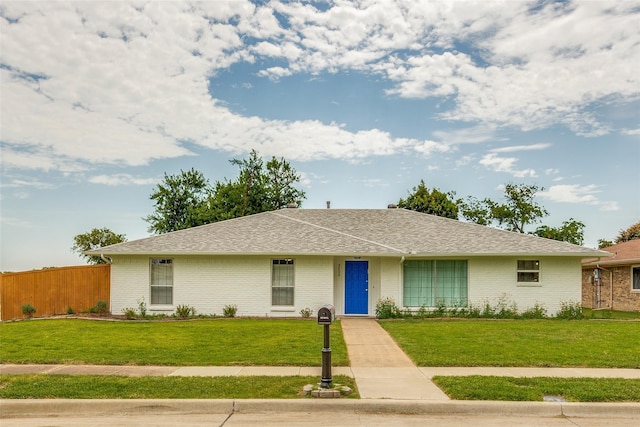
x=603 y=243
x=476 y=387
x=28 y=310
x=142 y=307
x=536 y=312
x=120 y=387
x=185 y=311
x=180 y=202
x=229 y=310
x=221 y=342
x=188 y=200
x=306 y=312
x=95 y=239
x=570 y=310
x=514 y=214
x=631 y=233
x=432 y=202
x=69 y=310
x=101 y=308
x=258 y=188
x=130 y=313
x=571 y=231
x=386 y=308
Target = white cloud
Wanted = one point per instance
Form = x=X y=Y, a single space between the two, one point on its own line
x=631 y=131
x=515 y=148
x=118 y=83
x=121 y=179
x=574 y=193
x=505 y=164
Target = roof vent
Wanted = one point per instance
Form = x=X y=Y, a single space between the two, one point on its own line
x=392 y=206
x=328 y=204
x=292 y=206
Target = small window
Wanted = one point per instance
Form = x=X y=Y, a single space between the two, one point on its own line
x=528 y=271
x=635 y=278
x=282 y=282
x=161 y=281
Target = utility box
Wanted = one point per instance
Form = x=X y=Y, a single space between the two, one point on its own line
x=326 y=315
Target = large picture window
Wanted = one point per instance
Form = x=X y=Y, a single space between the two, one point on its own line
x=528 y=271
x=433 y=282
x=282 y=282
x=161 y=281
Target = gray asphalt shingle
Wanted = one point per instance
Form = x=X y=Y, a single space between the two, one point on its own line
x=381 y=232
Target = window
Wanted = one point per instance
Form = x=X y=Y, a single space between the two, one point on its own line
x=282 y=282
x=431 y=282
x=161 y=281
x=528 y=271
x=635 y=278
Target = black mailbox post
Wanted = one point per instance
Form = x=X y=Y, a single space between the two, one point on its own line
x=326 y=315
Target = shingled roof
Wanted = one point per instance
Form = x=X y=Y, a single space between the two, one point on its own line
x=351 y=232
x=623 y=253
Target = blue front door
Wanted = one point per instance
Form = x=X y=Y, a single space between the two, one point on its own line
x=356 y=287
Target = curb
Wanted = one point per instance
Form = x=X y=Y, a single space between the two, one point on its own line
x=10 y=408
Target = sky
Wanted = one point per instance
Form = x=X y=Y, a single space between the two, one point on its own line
x=99 y=99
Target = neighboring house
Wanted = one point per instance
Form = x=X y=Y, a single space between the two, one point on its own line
x=614 y=282
x=280 y=262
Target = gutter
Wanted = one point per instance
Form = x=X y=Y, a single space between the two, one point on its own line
x=106 y=259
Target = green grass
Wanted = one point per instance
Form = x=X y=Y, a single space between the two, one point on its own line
x=610 y=314
x=222 y=342
x=553 y=343
x=534 y=389
x=118 y=387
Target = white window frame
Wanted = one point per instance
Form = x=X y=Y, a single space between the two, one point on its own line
x=524 y=270
x=165 y=261
x=634 y=267
x=292 y=285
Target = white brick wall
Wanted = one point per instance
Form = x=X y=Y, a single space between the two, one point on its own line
x=560 y=281
x=209 y=283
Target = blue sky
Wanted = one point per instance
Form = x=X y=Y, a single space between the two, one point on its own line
x=364 y=98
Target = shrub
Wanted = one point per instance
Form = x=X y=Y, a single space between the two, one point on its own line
x=570 y=310
x=441 y=308
x=69 y=310
x=229 y=310
x=28 y=310
x=536 y=312
x=185 y=311
x=142 y=307
x=422 y=312
x=129 y=313
x=505 y=308
x=100 y=308
x=386 y=308
x=306 y=312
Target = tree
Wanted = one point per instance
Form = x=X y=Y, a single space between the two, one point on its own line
x=603 y=243
x=631 y=233
x=517 y=212
x=432 y=202
x=180 y=201
x=571 y=231
x=258 y=188
x=95 y=239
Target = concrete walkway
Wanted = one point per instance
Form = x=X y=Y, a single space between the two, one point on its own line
x=381 y=369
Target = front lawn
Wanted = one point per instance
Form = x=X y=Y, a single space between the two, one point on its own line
x=221 y=342
x=118 y=387
x=535 y=389
x=592 y=344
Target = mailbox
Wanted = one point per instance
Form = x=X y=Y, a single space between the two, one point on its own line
x=326 y=315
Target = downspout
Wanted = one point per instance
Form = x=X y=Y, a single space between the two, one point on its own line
x=106 y=259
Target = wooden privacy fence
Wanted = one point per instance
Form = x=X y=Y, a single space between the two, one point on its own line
x=53 y=291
